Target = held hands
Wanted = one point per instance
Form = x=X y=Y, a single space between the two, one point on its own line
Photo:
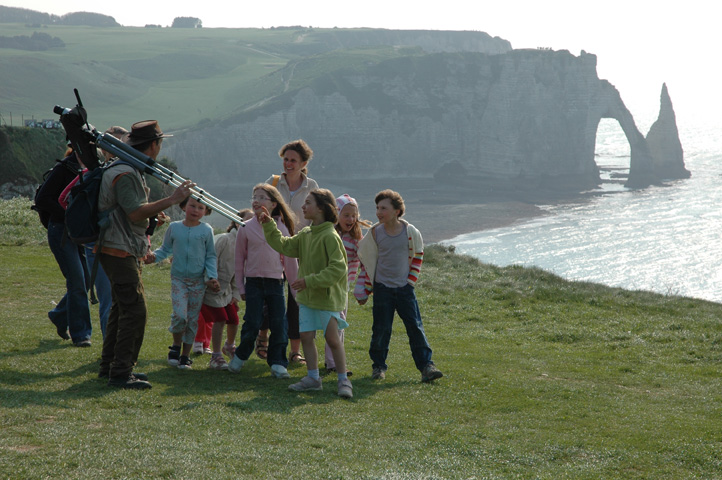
x=213 y=285
x=264 y=216
x=363 y=302
x=299 y=284
x=149 y=258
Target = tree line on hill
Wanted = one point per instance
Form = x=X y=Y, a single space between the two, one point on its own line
x=35 y=19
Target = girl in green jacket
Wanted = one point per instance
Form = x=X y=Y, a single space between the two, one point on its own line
x=321 y=284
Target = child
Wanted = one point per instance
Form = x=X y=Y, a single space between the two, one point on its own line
x=321 y=284
x=259 y=273
x=190 y=242
x=391 y=254
x=349 y=229
x=221 y=308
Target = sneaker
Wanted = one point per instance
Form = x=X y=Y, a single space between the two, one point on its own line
x=130 y=382
x=228 y=350
x=62 y=331
x=82 y=343
x=207 y=350
x=197 y=348
x=430 y=373
x=306 y=383
x=218 y=363
x=235 y=364
x=174 y=355
x=279 y=371
x=345 y=389
x=378 y=373
x=185 y=363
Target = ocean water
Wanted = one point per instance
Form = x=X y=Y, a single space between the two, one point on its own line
x=665 y=239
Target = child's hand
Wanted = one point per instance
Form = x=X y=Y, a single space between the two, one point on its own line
x=299 y=284
x=243 y=297
x=150 y=258
x=162 y=218
x=214 y=285
x=264 y=216
x=363 y=302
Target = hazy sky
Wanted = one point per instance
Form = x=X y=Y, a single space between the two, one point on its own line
x=639 y=43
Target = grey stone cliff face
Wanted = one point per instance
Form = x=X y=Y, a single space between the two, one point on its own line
x=524 y=118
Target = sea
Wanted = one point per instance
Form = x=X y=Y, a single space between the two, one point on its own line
x=664 y=239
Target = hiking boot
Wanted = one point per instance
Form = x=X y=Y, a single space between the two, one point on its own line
x=345 y=389
x=82 y=343
x=430 y=373
x=235 y=364
x=228 y=350
x=218 y=363
x=174 y=355
x=62 y=331
x=138 y=375
x=185 y=363
x=306 y=383
x=130 y=382
x=378 y=373
x=279 y=371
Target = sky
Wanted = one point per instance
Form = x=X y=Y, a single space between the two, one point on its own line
x=640 y=44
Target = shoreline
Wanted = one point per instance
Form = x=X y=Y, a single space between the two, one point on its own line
x=441 y=212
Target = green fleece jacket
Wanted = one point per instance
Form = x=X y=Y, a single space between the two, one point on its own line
x=321 y=262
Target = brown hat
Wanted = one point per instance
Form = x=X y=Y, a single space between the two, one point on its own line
x=144 y=131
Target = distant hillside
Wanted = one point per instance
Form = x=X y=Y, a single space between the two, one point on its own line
x=187 y=76
x=26 y=153
x=36 y=19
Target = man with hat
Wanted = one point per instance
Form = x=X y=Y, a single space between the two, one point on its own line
x=125 y=243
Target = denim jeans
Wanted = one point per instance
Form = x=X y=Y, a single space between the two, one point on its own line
x=102 y=288
x=386 y=302
x=73 y=310
x=269 y=291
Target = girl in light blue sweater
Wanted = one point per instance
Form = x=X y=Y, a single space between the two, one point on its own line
x=190 y=243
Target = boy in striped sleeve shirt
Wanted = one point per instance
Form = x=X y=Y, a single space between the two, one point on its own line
x=391 y=254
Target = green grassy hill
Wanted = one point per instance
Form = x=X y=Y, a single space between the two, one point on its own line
x=179 y=76
x=544 y=379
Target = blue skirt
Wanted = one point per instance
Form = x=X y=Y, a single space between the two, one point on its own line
x=311 y=319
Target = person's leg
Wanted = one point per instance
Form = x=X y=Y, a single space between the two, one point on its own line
x=308 y=341
x=71 y=262
x=102 y=288
x=333 y=341
x=383 y=318
x=278 y=340
x=294 y=337
x=128 y=315
x=252 y=318
x=408 y=309
x=232 y=322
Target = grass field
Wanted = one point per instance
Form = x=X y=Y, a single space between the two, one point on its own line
x=544 y=378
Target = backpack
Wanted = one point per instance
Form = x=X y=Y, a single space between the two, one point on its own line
x=44 y=214
x=84 y=221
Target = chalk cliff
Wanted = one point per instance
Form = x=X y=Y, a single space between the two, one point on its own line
x=520 y=119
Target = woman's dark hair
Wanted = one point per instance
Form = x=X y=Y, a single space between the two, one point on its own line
x=282 y=210
x=327 y=203
x=396 y=201
x=300 y=147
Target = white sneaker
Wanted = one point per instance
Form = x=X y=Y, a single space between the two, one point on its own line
x=306 y=383
x=345 y=389
x=235 y=364
x=218 y=363
x=279 y=371
x=197 y=348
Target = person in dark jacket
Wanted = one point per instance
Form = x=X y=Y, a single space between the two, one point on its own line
x=71 y=316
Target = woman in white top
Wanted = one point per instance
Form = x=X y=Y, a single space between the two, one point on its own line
x=294 y=186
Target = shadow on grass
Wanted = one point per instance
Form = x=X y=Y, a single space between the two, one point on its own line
x=267 y=394
x=43 y=346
